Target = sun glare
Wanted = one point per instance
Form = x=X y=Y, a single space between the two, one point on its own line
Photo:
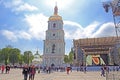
x=62 y=4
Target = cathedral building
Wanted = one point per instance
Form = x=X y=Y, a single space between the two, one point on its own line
x=54 y=44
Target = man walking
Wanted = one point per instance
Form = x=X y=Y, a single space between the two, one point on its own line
x=25 y=72
x=102 y=71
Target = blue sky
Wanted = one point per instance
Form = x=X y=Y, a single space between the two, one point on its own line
x=23 y=22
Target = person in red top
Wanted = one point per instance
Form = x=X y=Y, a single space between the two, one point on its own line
x=2 y=68
x=33 y=71
x=68 y=69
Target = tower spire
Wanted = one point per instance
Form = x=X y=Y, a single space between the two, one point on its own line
x=55 y=9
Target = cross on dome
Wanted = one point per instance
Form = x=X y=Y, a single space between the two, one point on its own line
x=55 y=16
x=56 y=9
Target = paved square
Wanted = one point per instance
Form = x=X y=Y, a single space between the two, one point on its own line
x=16 y=74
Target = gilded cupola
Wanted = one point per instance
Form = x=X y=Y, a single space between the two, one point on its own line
x=55 y=16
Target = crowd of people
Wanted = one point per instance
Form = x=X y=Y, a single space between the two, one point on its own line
x=29 y=71
x=4 y=69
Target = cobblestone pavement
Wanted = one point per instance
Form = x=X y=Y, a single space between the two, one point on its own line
x=16 y=74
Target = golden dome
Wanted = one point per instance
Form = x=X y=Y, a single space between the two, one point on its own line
x=55 y=18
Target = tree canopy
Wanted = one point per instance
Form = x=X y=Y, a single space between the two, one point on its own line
x=9 y=55
x=69 y=58
x=28 y=57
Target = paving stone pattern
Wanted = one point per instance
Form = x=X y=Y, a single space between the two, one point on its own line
x=16 y=74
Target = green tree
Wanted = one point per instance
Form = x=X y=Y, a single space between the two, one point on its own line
x=71 y=57
x=14 y=56
x=5 y=55
x=21 y=59
x=28 y=57
x=0 y=55
x=66 y=59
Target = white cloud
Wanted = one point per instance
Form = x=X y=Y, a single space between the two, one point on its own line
x=72 y=24
x=106 y=29
x=76 y=31
x=24 y=35
x=72 y=29
x=9 y=35
x=90 y=29
x=37 y=25
x=26 y=7
x=16 y=35
x=19 y=5
x=16 y=2
x=13 y=3
x=62 y=4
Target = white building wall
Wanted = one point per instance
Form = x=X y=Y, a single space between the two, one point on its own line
x=56 y=58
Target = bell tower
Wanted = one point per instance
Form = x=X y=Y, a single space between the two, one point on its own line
x=54 y=44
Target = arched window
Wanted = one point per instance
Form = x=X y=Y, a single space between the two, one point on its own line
x=53 y=34
x=53 y=48
x=54 y=25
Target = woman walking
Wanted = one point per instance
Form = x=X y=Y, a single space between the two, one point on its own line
x=32 y=72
